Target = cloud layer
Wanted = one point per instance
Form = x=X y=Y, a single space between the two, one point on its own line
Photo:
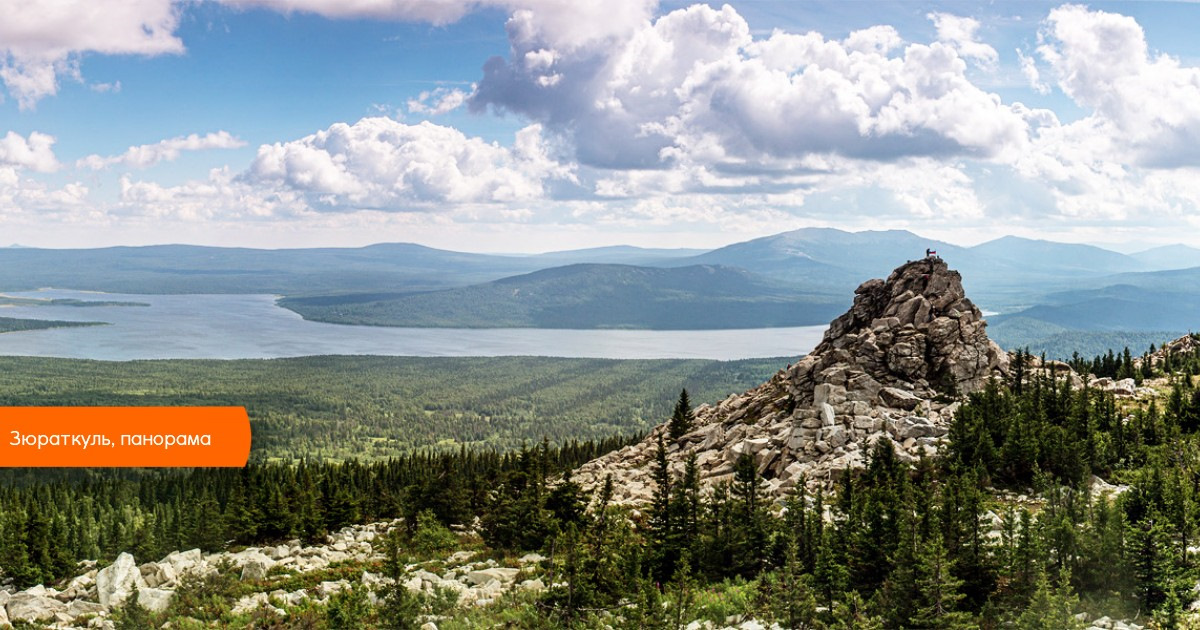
x=147 y=155
x=686 y=118
x=42 y=41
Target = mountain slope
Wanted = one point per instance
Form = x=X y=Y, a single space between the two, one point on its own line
x=616 y=255
x=825 y=256
x=1169 y=257
x=196 y=269
x=1063 y=258
x=590 y=296
x=1117 y=307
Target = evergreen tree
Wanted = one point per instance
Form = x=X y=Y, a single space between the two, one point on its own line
x=788 y=598
x=938 y=589
x=663 y=540
x=682 y=418
x=1051 y=608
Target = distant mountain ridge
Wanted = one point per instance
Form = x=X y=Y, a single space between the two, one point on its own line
x=590 y=296
x=808 y=268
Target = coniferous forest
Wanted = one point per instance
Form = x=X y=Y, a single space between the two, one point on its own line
x=1007 y=527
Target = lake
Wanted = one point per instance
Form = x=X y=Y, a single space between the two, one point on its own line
x=253 y=327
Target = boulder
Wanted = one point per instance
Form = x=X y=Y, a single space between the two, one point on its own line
x=116 y=582
x=155 y=599
x=77 y=608
x=26 y=606
x=500 y=574
x=185 y=561
x=256 y=567
x=898 y=398
x=157 y=574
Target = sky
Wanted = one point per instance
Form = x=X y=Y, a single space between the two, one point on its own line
x=540 y=125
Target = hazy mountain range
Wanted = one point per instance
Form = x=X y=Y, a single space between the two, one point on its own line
x=1042 y=288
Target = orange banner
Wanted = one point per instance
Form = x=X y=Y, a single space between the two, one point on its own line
x=124 y=437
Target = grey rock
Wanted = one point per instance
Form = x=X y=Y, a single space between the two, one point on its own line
x=116 y=582
x=499 y=574
x=827 y=415
x=33 y=606
x=256 y=567
x=898 y=398
x=155 y=599
x=79 y=607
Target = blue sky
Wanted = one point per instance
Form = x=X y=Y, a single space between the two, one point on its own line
x=533 y=125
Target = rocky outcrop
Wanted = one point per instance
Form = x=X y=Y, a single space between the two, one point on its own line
x=87 y=600
x=116 y=582
x=891 y=368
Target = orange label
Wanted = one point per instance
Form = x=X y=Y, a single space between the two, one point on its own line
x=125 y=437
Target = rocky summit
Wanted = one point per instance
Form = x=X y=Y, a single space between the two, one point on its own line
x=893 y=367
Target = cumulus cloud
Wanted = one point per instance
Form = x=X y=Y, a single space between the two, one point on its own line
x=22 y=198
x=223 y=195
x=384 y=164
x=437 y=101
x=961 y=32
x=1147 y=106
x=35 y=152
x=147 y=155
x=565 y=24
x=41 y=41
x=695 y=86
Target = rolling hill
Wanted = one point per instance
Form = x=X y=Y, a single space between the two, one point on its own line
x=591 y=296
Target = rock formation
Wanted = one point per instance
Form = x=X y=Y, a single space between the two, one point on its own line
x=87 y=600
x=892 y=368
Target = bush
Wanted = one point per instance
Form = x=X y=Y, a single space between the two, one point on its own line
x=348 y=608
x=431 y=536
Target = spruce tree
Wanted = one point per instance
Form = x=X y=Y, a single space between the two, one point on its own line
x=1051 y=608
x=683 y=418
x=938 y=589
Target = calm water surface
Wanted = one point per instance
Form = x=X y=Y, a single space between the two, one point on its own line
x=252 y=327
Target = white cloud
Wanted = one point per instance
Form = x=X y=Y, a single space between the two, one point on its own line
x=223 y=196
x=1147 y=107
x=438 y=101
x=146 y=155
x=384 y=164
x=960 y=32
x=40 y=41
x=695 y=86
x=1030 y=70
x=564 y=24
x=115 y=86
x=23 y=199
x=35 y=152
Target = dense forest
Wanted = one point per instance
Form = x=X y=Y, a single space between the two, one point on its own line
x=15 y=324
x=1004 y=528
x=371 y=407
x=51 y=519
x=696 y=297
x=938 y=544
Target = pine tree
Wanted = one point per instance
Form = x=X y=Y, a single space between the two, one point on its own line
x=683 y=418
x=938 y=589
x=751 y=523
x=663 y=538
x=789 y=599
x=400 y=607
x=1051 y=608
